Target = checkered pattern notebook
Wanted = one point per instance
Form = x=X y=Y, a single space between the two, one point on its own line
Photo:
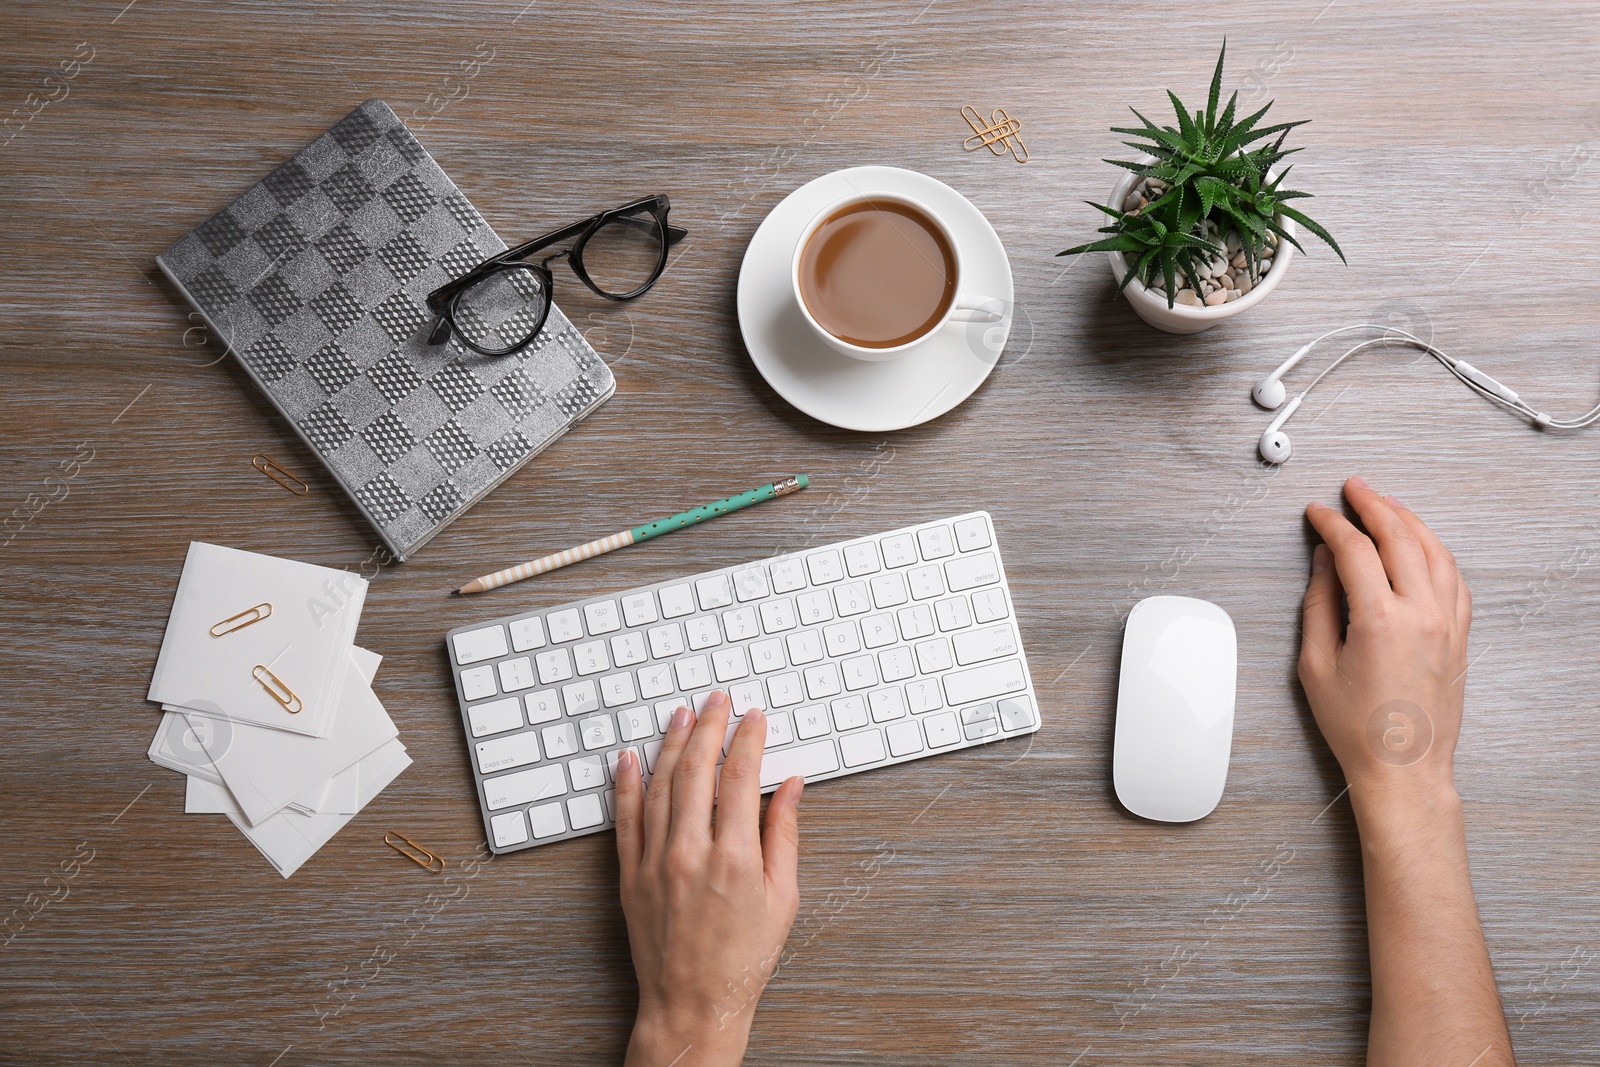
x=316 y=278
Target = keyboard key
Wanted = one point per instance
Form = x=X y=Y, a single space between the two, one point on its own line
x=878 y=630
x=655 y=681
x=543 y=706
x=849 y=713
x=977 y=730
x=676 y=601
x=546 y=821
x=666 y=641
x=943 y=729
x=989 y=605
x=915 y=621
x=822 y=681
x=516 y=674
x=495 y=717
x=925 y=582
x=888 y=590
x=751 y=583
x=887 y=704
x=478 y=682
x=860 y=672
x=841 y=638
x=611 y=804
x=923 y=695
x=639 y=609
x=977 y=713
x=936 y=542
x=779 y=615
x=694 y=672
x=664 y=710
x=475 y=645
x=602 y=617
x=598 y=731
x=580 y=698
x=861 y=558
x=585 y=812
x=747 y=695
x=899 y=550
x=862 y=748
x=587 y=773
x=803 y=760
x=652 y=753
x=702 y=632
x=969 y=572
x=954 y=613
x=504 y=753
x=714 y=592
x=805 y=646
x=1016 y=713
x=904 y=738
x=559 y=740
x=814 y=607
x=616 y=754
x=787 y=575
x=564 y=625
x=509 y=829
x=811 y=721
x=780 y=731
x=628 y=649
x=767 y=655
x=852 y=598
x=554 y=665
x=972 y=534
x=784 y=690
x=741 y=624
x=980 y=683
x=524 y=787
x=934 y=656
x=527 y=634
x=730 y=664
x=896 y=663
x=988 y=642
x=825 y=567
x=636 y=724
x=590 y=657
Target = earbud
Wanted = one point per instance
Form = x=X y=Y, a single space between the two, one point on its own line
x=1275 y=446
x=1269 y=391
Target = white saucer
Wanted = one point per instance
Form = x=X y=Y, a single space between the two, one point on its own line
x=851 y=393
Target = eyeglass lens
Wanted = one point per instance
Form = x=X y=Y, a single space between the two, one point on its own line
x=502 y=311
x=622 y=256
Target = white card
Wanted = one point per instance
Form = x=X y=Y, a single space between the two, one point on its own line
x=288 y=839
x=266 y=770
x=300 y=648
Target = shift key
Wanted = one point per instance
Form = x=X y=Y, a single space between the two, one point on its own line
x=524 y=787
x=981 y=683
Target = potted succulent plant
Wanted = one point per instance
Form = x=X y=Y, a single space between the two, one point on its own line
x=1201 y=226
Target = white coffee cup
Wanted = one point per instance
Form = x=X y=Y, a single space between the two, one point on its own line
x=966 y=307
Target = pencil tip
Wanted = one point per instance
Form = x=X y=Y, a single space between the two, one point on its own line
x=455 y=592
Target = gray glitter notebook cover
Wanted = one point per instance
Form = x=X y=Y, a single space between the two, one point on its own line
x=316 y=278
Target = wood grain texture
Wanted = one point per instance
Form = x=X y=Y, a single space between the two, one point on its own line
x=1023 y=918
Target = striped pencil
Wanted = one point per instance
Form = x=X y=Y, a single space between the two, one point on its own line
x=639 y=533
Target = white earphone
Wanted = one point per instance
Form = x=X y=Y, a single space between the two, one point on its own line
x=1270 y=393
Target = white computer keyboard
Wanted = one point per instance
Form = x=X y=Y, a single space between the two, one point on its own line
x=864 y=653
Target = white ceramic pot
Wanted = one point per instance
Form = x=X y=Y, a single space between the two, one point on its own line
x=1151 y=304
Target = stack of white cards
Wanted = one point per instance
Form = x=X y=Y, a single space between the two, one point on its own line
x=268 y=703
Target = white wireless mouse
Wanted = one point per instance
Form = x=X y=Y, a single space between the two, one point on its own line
x=1174 y=708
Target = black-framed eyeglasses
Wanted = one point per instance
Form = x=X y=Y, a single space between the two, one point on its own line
x=499 y=306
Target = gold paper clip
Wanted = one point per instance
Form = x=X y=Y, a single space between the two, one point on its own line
x=241 y=620
x=421 y=856
x=277 y=690
x=274 y=470
x=999 y=134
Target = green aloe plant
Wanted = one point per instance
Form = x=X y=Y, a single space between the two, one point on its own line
x=1208 y=173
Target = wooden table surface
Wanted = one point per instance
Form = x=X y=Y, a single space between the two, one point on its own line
x=1018 y=914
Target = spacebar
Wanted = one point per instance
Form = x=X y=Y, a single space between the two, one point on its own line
x=816 y=758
